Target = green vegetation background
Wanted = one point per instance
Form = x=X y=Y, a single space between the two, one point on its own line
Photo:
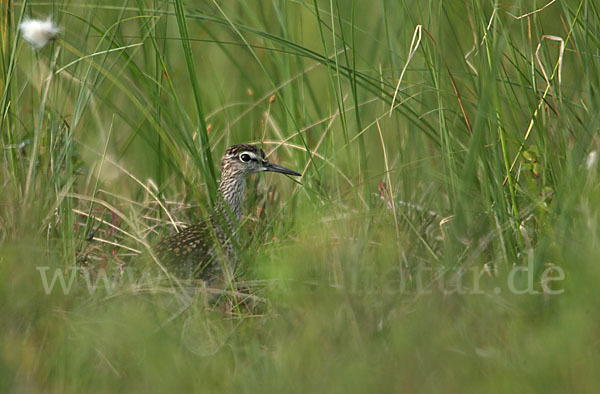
x=385 y=268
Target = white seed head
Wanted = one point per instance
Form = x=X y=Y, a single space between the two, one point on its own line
x=38 y=32
x=591 y=160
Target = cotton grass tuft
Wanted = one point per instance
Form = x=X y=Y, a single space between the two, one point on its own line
x=38 y=32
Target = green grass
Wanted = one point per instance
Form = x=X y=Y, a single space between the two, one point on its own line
x=397 y=261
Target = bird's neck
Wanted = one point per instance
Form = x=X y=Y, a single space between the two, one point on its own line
x=230 y=200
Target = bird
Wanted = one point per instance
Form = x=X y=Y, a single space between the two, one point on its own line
x=207 y=248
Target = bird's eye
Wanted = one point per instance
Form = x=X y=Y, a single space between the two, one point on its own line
x=245 y=157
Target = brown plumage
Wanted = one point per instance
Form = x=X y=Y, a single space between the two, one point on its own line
x=193 y=251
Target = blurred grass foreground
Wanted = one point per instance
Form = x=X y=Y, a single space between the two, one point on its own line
x=444 y=235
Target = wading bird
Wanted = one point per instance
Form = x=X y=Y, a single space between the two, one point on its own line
x=206 y=248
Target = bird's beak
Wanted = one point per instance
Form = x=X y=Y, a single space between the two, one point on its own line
x=277 y=168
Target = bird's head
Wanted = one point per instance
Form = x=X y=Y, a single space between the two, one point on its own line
x=242 y=160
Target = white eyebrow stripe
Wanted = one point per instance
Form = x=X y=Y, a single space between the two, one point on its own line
x=252 y=154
